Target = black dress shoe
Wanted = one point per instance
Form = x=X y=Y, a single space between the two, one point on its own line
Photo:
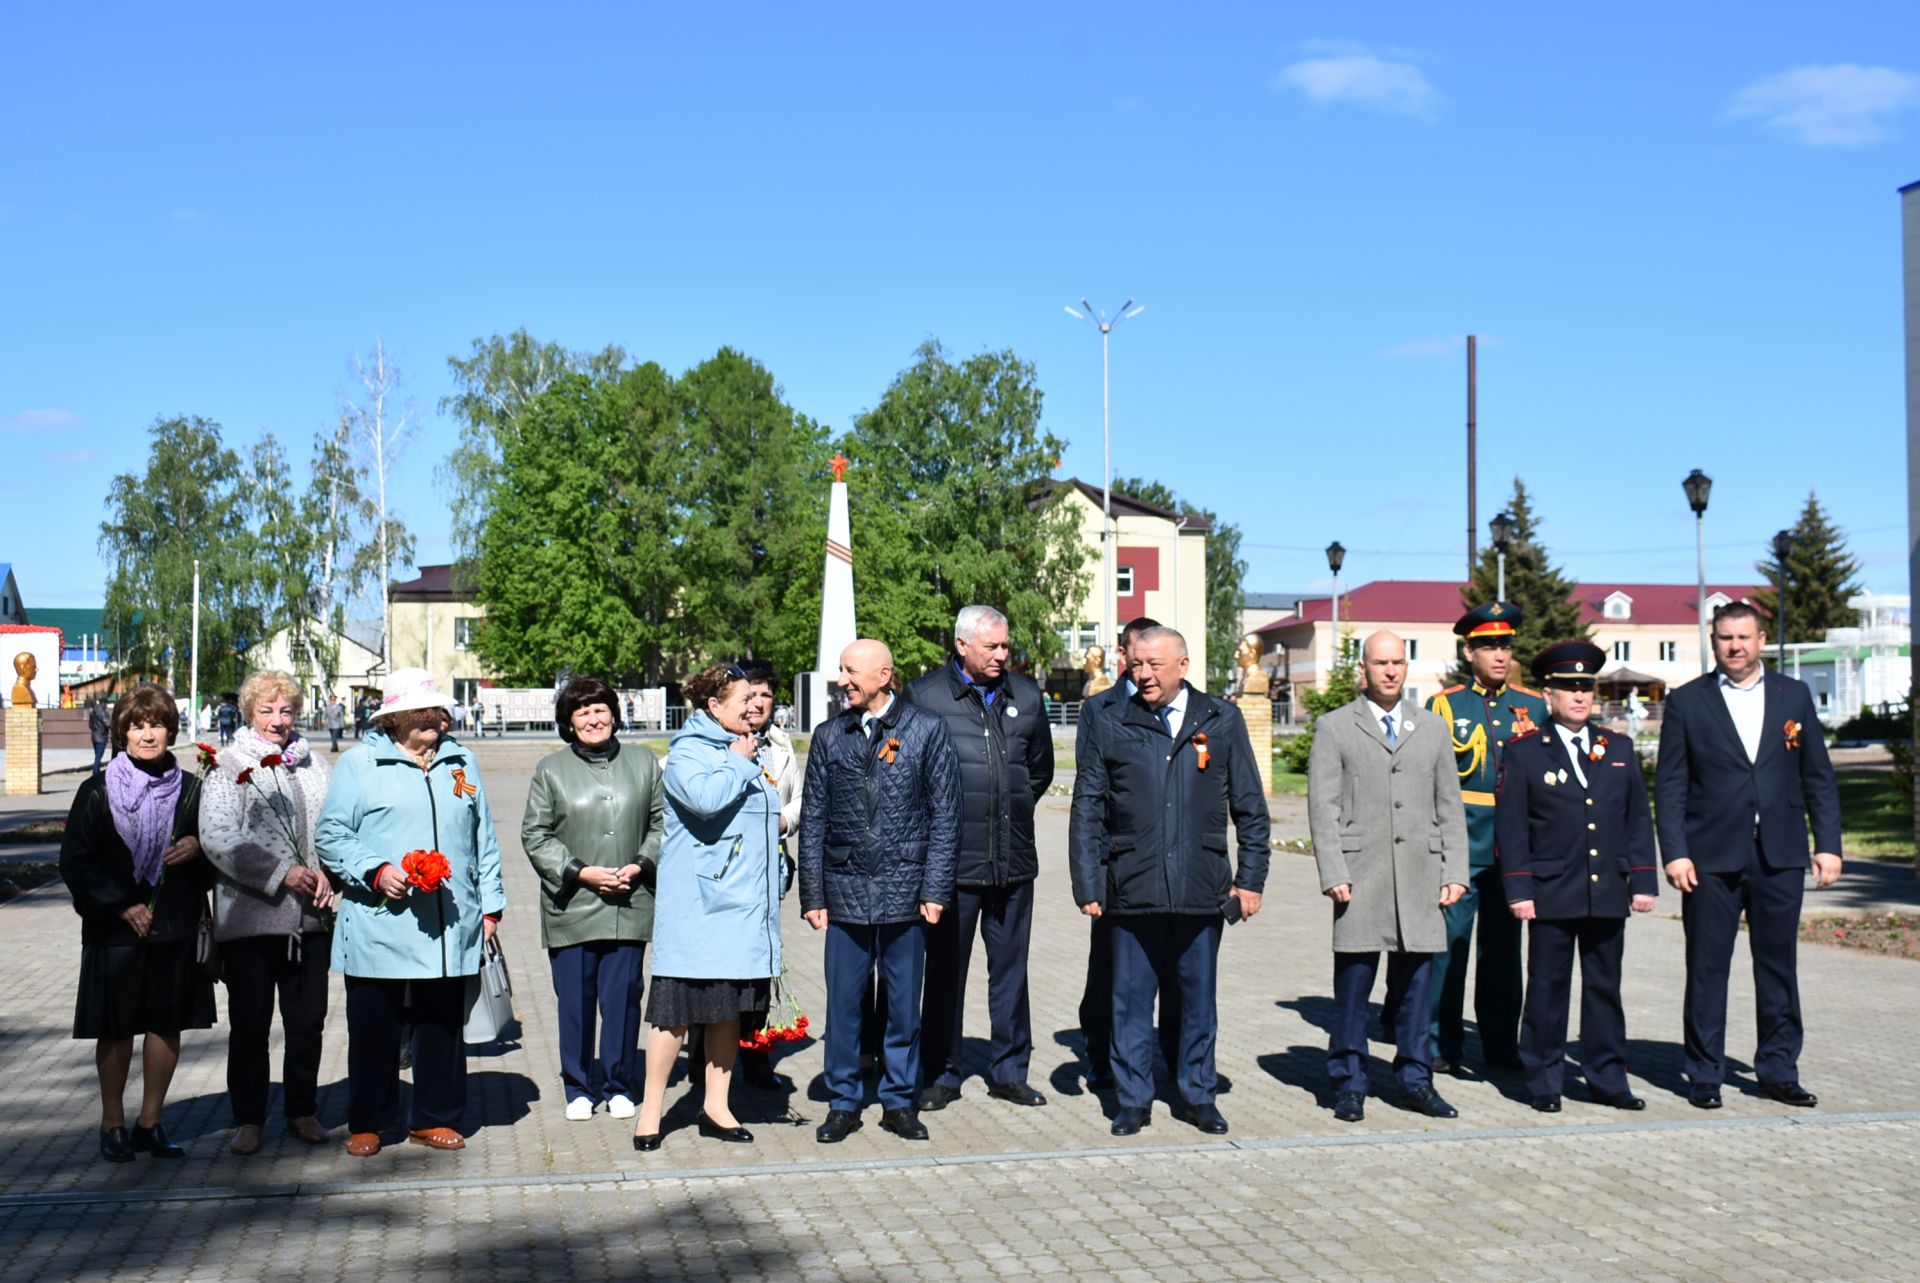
x=937 y=1097
x=840 y=1124
x=732 y=1135
x=1789 y=1094
x=154 y=1140
x=904 y=1123
x=1617 y=1099
x=647 y=1144
x=1704 y=1095
x=1425 y=1100
x=1100 y=1080
x=1350 y=1107
x=1208 y=1119
x=1017 y=1093
x=115 y=1146
x=1547 y=1104
x=1507 y=1060
x=1131 y=1119
x=1445 y=1065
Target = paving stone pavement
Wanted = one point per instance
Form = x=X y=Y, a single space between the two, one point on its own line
x=1756 y=1191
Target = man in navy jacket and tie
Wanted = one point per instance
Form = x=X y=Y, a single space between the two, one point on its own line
x=1743 y=770
x=1576 y=855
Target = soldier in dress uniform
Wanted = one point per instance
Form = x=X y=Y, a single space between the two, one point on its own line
x=1485 y=717
x=1576 y=854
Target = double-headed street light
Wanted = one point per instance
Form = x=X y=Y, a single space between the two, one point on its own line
x=1782 y=545
x=1698 y=486
x=1502 y=527
x=1336 y=555
x=1098 y=320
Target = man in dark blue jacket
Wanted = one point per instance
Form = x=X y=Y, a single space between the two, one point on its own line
x=879 y=826
x=1148 y=848
x=1005 y=753
x=1575 y=840
x=1743 y=769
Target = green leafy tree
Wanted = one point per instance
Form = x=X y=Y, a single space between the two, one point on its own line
x=1821 y=576
x=576 y=569
x=186 y=506
x=492 y=386
x=1226 y=573
x=1550 y=612
x=1343 y=688
x=750 y=508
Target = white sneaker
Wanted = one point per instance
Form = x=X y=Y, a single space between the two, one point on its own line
x=579 y=1109
x=620 y=1107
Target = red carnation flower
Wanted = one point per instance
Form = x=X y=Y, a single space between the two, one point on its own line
x=272 y=760
x=244 y=776
x=425 y=870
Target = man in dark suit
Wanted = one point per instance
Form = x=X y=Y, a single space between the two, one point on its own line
x=1005 y=751
x=1096 y=998
x=1743 y=770
x=1148 y=847
x=1576 y=855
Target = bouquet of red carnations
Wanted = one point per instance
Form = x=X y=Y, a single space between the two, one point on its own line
x=425 y=871
x=785 y=1021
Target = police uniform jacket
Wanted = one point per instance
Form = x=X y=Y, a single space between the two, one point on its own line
x=1149 y=826
x=1483 y=722
x=1575 y=851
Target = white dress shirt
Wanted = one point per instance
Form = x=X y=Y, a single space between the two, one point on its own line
x=1578 y=754
x=1748 y=707
x=1402 y=723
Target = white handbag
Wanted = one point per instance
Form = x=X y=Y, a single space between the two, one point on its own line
x=489 y=997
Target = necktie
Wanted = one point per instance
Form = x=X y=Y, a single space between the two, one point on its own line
x=1386 y=720
x=1580 y=742
x=1165 y=714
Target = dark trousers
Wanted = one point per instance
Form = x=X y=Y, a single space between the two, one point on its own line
x=1711 y=912
x=1551 y=946
x=1409 y=986
x=334 y=732
x=1096 y=1006
x=604 y=978
x=99 y=752
x=1496 y=972
x=256 y=969
x=1004 y=916
x=377 y=1012
x=898 y=951
x=1165 y=954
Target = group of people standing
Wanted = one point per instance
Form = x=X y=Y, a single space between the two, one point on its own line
x=1491 y=807
x=1501 y=805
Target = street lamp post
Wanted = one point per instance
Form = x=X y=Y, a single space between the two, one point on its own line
x=1782 y=545
x=1698 y=486
x=1098 y=320
x=1502 y=527
x=1335 y=556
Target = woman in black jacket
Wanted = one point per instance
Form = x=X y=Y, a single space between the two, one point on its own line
x=131 y=859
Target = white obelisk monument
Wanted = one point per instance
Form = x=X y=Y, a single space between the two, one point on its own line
x=837 y=627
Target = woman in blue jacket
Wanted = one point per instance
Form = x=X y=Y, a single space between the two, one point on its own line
x=407 y=952
x=716 y=927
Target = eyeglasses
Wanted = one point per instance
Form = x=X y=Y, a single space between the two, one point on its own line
x=750 y=670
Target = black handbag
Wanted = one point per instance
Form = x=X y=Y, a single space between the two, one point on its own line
x=206 y=950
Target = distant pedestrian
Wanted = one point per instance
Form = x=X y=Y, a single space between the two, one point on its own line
x=131 y=859
x=99 y=727
x=335 y=718
x=477 y=717
x=362 y=709
x=227 y=717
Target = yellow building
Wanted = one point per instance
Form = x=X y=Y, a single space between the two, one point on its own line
x=431 y=621
x=1160 y=571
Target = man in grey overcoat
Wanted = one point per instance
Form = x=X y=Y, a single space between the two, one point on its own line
x=1390 y=837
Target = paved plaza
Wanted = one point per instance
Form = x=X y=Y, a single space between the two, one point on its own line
x=1754 y=1191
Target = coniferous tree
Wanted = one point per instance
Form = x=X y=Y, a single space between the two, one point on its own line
x=1821 y=576
x=1549 y=611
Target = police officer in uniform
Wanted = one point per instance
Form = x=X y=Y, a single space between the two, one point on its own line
x=1485 y=717
x=1576 y=854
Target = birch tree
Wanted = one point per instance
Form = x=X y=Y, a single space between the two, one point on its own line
x=382 y=423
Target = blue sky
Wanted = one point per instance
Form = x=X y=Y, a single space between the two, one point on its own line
x=1675 y=228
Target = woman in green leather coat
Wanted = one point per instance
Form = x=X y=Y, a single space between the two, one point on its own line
x=592 y=833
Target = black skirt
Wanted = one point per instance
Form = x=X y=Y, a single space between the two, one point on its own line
x=674 y=1003
x=155 y=986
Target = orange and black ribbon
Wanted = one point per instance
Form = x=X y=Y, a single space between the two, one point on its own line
x=890 y=750
x=1201 y=756
x=462 y=786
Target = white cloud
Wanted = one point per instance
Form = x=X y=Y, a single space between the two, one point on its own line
x=1837 y=106
x=1344 y=72
x=41 y=421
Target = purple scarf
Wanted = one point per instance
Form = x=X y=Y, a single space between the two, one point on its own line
x=142 y=806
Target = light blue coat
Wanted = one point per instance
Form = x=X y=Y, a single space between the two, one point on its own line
x=382 y=805
x=716 y=912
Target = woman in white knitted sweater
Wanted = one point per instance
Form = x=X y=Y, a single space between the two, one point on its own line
x=271 y=906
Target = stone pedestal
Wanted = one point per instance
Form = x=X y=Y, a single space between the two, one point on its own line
x=23 y=752
x=1258 y=712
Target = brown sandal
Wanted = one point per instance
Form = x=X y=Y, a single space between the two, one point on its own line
x=437 y=1138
